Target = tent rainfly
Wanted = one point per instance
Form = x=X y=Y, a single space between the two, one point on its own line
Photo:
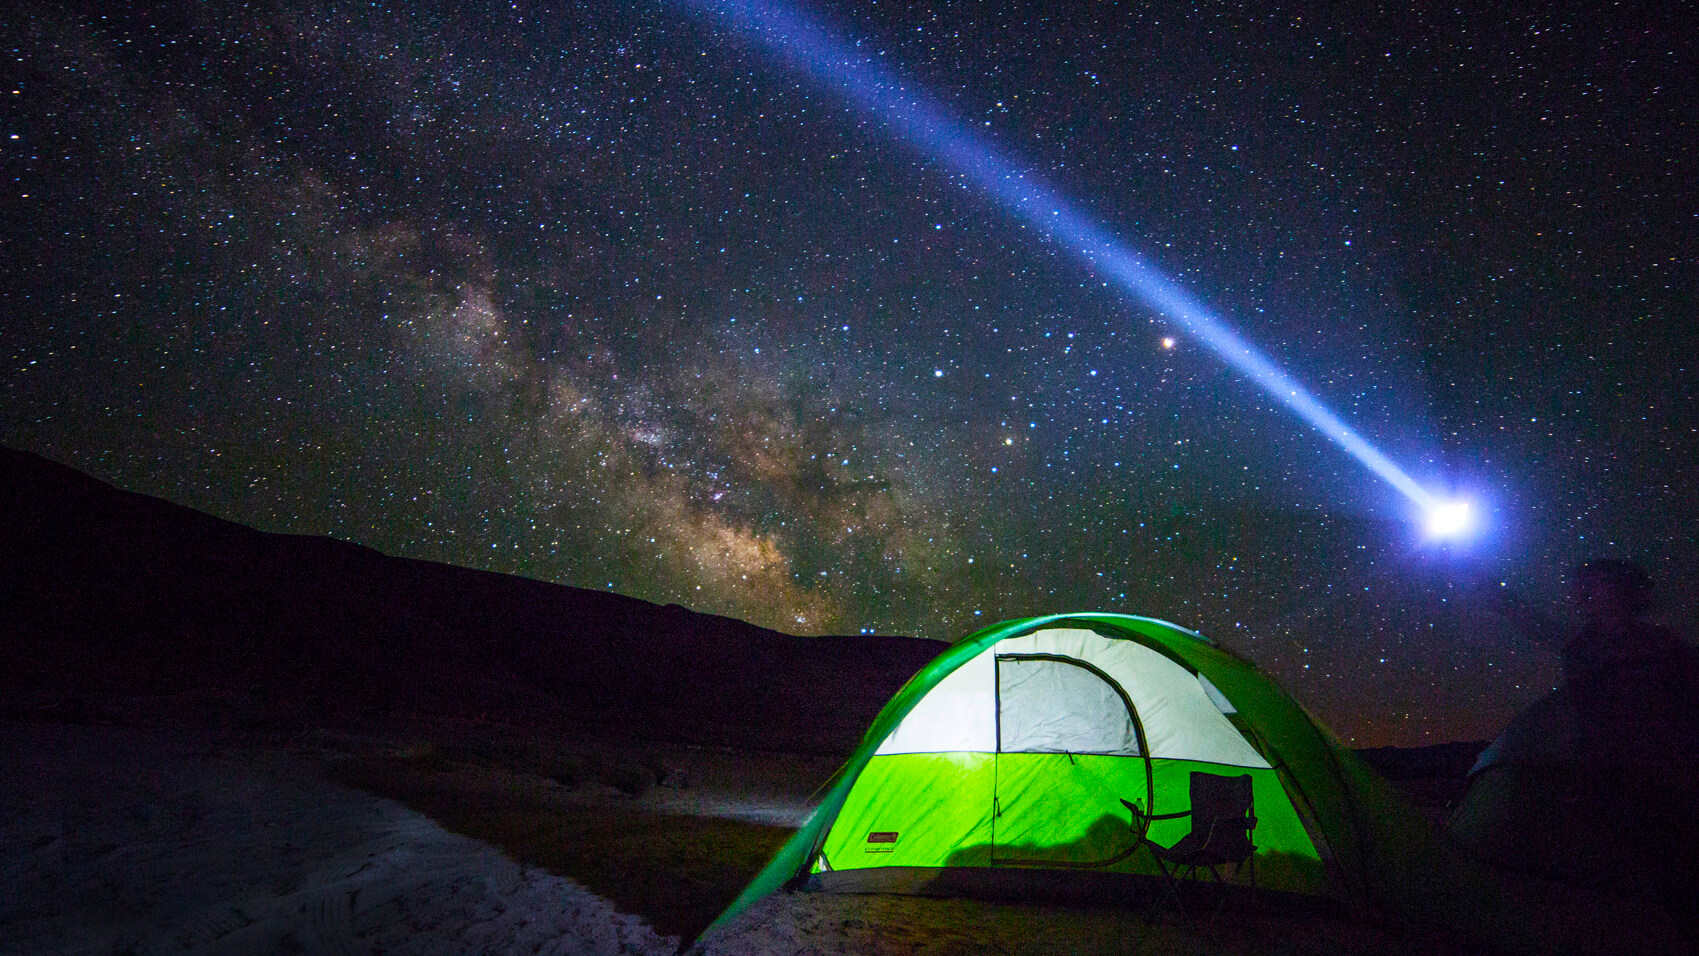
x=1008 y=758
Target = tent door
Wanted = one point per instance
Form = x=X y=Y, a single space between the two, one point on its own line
x=1069 y=748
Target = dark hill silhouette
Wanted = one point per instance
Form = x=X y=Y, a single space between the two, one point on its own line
x=1448 y=760
x=109 y=593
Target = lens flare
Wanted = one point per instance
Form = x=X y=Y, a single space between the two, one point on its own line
x=910 y=115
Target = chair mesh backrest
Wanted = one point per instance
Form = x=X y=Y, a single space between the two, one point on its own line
x=1215 y=797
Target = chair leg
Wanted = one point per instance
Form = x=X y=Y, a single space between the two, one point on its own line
x=1171 y=876
x=1221 y=891
x=1250 y=897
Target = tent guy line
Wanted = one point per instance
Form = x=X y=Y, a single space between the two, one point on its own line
x=839 y=64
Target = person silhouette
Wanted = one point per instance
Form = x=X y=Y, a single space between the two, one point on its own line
x=1597 y=782
x=1612 y=596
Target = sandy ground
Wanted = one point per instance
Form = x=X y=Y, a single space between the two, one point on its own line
x=118 y=841
x=124 y=841
x=752 y=786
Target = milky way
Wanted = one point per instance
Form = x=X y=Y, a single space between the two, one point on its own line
x=604 y=295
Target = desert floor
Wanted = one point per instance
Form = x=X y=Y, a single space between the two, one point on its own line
x=124 y=840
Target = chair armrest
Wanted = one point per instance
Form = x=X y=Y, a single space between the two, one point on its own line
x=1138 y=812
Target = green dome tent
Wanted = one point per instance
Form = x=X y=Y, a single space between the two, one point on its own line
x=1011 y=753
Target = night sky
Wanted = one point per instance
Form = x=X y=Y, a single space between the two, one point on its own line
x=604 y=294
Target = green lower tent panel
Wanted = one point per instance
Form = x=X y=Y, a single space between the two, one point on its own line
x=1062 y=810
x=1046 y=810
x=916 y=810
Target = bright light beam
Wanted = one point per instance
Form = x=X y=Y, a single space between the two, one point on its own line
x=841 y=65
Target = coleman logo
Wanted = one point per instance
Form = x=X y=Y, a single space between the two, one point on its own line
x=882 y=836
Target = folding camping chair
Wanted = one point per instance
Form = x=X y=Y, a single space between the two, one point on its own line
x=1221 y=832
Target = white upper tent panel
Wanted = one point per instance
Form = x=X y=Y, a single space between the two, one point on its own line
x=1180 y=719
x=959 y=714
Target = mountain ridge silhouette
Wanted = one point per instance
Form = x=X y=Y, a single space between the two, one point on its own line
x=111 y=593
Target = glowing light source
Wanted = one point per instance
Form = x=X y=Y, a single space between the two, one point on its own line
x=973 y=160
x=1450 y=520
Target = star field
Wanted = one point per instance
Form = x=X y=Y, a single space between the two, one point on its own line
x=601 y=294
